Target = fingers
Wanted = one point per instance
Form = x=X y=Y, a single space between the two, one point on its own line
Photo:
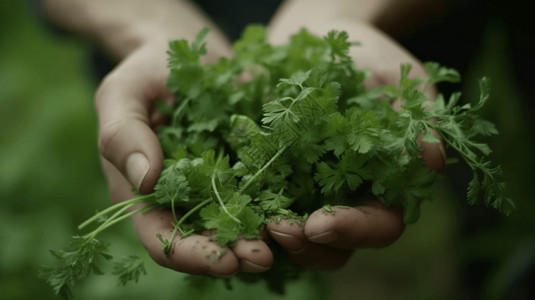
x=368 y=225
x=198 y=254
x=288 y=234
x=254 y=255
x=347 y=228
x=291 y=237
x=195 y=254
x=328 y=239
x=124 y=103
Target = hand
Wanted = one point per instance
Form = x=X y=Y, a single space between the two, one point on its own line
x=327 y=240
x=132 y=156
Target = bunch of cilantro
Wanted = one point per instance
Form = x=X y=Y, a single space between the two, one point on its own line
x=280 y=131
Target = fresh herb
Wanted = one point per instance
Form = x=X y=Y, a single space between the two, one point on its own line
x=299 y=132
x=129 y=269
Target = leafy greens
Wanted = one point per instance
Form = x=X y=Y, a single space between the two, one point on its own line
x=280 y=131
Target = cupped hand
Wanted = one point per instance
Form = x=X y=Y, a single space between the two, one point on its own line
x=328 y=239
x=132 y=157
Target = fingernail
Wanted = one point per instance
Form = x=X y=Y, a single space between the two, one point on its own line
x=324 y=237
x=247 y=266
x=289 y=241
x=137 y=167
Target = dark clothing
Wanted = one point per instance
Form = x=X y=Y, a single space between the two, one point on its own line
x=233 y=16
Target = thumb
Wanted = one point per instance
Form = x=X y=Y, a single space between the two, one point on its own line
x=126 y=138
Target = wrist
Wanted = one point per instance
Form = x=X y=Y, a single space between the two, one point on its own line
x=280 y=31
x=136 y=23
x=119 y=27
x=321 y=16
x=395 y=18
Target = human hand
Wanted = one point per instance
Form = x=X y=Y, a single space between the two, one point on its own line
x=132 y=156
x=327 y=240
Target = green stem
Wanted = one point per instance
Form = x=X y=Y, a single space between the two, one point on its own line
x=216 y=192
x=119 y=205
x=191 y=211
x=264 y=167
x=124 y=216
x=116 y=215
x=472 y=163
x=178 y=112
x=184 y=217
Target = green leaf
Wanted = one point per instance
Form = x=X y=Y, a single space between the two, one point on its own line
x=338 y=45
x=251 y=222
x=437 y=73
x=350 y=171
x=272 y=202
x=297 y=79
x=172 y=187
x=429 y=137
x=329 y=179
x=278 y=113
x=473 y=189
x=365 y=130
x=74 y=264
x=210 y=215
x=335 y=129
x=129 y=269
x=483 y=127
x=405 y=82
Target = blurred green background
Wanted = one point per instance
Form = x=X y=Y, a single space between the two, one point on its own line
x=50 y=181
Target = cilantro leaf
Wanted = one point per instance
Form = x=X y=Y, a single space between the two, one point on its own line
x=129 y=269
x=279 y=131
x=75 y=263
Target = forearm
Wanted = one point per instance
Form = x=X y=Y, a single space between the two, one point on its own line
x=120 y=26
x=393 y=17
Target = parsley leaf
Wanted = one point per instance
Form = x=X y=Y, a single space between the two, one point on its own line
x=129 y=269
x=281 y=131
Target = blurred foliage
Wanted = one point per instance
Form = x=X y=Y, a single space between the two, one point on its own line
x=506 y=243
x=50 y=180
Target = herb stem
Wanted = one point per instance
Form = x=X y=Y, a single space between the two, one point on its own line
x=115 y=215
x=216 y=192
x=264 y=167
x=461 y=149
x=128 y=203
x=191 y=211
x=182 y=219
x=178 y=112
x=124 y=216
